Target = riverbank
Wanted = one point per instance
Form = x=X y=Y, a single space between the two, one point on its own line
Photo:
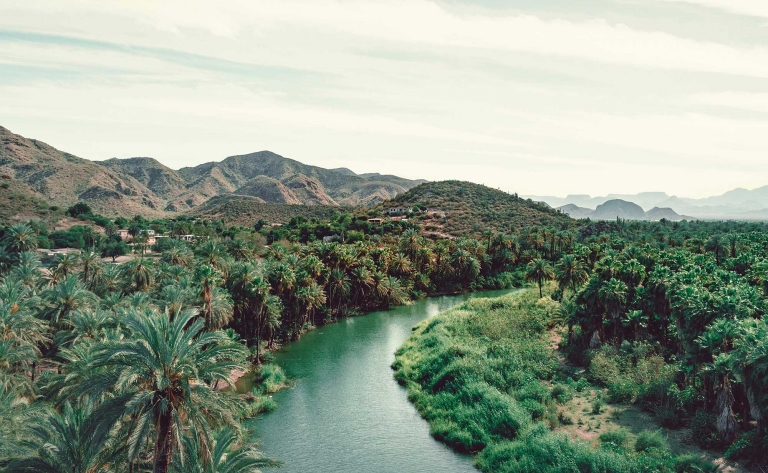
x=485 y=377
x=345 y=412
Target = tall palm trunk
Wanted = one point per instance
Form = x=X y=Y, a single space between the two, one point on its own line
x=164 y=445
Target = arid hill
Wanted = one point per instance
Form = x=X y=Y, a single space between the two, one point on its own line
x=146 y=187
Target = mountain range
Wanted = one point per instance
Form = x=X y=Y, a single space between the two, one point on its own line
x=737 y=204
x=38 y=172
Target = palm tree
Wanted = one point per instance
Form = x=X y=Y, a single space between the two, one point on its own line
x=139 y=274
x=338 y=288
x=225 y=456
x=67 y=296
x=68 y=442
x=570 y=273
x=164 y=374
x=177 y=255
x=19 y=238
x=614 y=295
x=216 y=305
x=90 y=262
x=539 y=271
x=716 y=245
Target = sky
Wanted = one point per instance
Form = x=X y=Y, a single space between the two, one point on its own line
x=543 y=97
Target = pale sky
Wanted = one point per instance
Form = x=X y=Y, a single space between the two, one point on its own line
x=546 y=97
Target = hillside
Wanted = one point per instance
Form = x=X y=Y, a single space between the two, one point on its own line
x=17 y=202
x=309 y=185
x=144 y=186
x=246 y=210
x=463 y=208
x=158 y=178
x=63 y=179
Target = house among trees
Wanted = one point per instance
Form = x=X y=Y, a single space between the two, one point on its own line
x=187 y=238
x=123 y=233
x=399 y=210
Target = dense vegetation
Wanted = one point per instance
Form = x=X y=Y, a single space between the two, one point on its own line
x=665 y=315
x=668 y=316
x=107 y=367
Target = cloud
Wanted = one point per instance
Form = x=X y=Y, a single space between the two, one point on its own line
x=741 y=100
x=758 y=8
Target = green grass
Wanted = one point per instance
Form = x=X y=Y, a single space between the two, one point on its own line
x=484 y=376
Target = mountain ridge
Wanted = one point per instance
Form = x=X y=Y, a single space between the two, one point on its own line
x=144 y=186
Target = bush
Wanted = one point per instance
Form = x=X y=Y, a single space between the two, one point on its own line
x=649 y=440
x=623 y=392
x=617 y=439
x=693 y=464
x=561 y=393
x=272 y=378
x=597 y=406
x=704 y=430
x=749 y=448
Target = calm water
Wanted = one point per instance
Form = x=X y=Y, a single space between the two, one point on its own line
x=346 y=413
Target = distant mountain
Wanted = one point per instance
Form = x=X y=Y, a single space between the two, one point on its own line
x=618 y=208
x=460 y=208
x=146 y=187
x=574 y=211
x=666 y=213
x=738 y=204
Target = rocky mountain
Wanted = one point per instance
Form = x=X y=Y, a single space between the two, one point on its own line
x=63 y=179
x=147 y=187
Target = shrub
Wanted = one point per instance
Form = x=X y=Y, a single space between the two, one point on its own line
x=561 y=393
x=623 y=392
x=649 y=440
x=749 y=448
x=533 y=406
x=272 y=378
x=617 y=439
x=597 y=406
x=693 y=464
x=704 y=430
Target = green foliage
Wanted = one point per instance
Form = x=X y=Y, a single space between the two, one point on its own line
x=617 y=439
x=704 y=430
x=562 y=393
x=648 y=441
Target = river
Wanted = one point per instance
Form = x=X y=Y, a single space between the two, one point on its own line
x=346 y=412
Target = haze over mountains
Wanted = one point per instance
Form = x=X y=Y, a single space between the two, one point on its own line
x=738 y=204
x=145 y=186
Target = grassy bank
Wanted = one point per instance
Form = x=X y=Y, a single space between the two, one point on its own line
x=485 y=376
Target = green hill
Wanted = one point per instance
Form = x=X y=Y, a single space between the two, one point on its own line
x=461 y=208
x=247 y=210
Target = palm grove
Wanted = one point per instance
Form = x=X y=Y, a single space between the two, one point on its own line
x=119 y=367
